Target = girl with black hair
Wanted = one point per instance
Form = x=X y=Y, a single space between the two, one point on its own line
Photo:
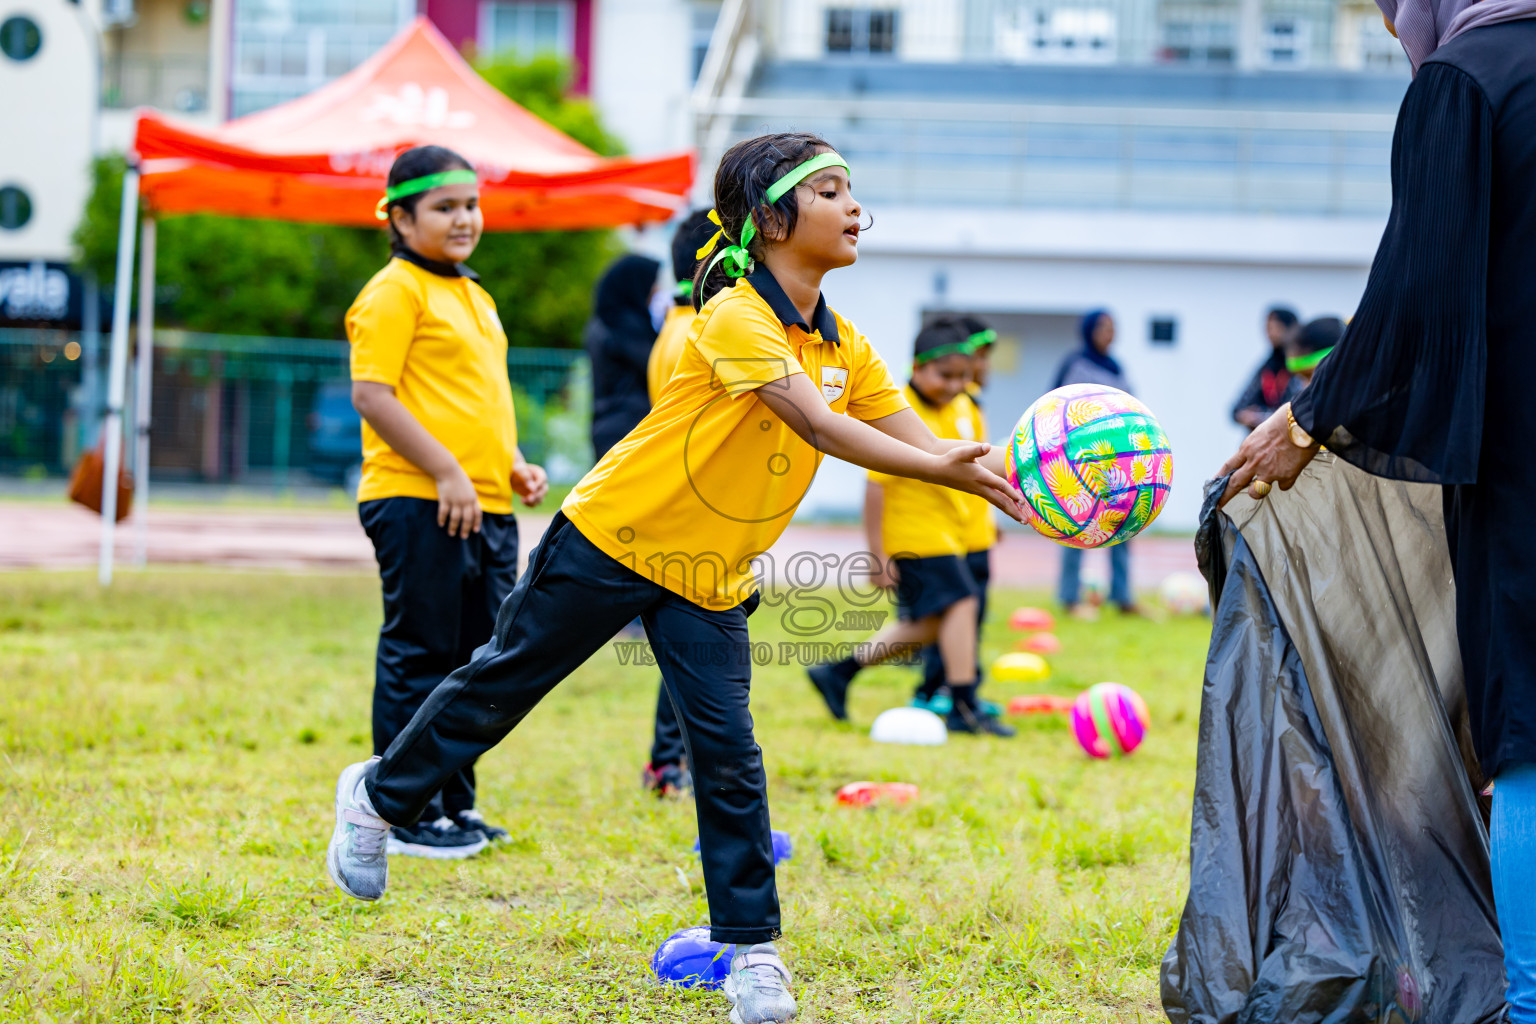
x=667 y=526
x=440 y=466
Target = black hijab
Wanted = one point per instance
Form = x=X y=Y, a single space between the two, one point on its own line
x=618 y=341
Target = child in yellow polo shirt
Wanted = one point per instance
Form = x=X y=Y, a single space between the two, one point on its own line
x=666 y=774
x=440 y=467
x=980 y=528
x=667 y=526
x=919 y=533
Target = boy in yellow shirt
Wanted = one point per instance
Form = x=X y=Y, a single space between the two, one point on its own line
x=440 y=466
x=918 y=533
x=980 y=529
x=667 y=526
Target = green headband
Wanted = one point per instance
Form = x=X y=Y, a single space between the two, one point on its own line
x=736 y=257
x=422 y=184
x=953 y=348
x=683 y=290
x=430 y=181
x=981 y=339
x=1299 y=364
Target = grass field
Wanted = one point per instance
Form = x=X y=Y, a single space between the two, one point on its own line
x=170 y=748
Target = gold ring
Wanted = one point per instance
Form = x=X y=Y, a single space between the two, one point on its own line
x=1261 y=488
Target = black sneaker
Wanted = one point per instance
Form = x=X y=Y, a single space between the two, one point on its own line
x=978 y=722
x=670 y=780
x=833 y=689
x=436 y=840
x=473 y=821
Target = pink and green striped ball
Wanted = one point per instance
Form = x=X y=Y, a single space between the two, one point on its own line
x=1092 y=463
x=1109 y=720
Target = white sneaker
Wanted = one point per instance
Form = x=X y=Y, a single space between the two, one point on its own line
x=758 y=986
x=355 y=859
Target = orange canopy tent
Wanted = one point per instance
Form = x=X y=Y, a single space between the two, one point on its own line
x=324 y=158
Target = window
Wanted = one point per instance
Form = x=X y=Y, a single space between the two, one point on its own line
x=20 y=38
x=704 y=18
x=860 y=30
x=1164 y=330
x=1286 y=43
x=1061 y=36
x=1200 y=42
x=282 y=50
x=527 y=28
x=15 y=208
x=1379 y=49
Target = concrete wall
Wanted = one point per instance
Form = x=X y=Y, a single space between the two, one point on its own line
x=642 y=72
x=1215 y=276
x=50 y=104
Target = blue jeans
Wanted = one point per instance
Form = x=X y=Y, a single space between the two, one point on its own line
x=1071 y=589
x=1513 y=836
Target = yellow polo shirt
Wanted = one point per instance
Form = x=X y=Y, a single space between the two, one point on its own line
x=923 y=520
x=667 y=349
x=437 y=341
x=710 y=478
x=980 y=524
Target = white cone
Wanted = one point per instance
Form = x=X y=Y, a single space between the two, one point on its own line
x=912 y=726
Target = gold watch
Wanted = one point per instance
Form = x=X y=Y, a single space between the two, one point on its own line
x=1299 y=437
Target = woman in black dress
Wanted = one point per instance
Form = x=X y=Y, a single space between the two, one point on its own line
x=618 y=340
x=1432 y=383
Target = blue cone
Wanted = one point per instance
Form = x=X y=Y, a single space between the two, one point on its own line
x=783 y=849
x=689 y=960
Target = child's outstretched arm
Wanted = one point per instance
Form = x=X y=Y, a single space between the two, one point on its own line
x=908 y=426
x=799 y=403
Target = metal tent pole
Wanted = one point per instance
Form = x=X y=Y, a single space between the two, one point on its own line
x=144 y=379
x=117 y=373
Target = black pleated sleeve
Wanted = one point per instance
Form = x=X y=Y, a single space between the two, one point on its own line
x=1402 y=394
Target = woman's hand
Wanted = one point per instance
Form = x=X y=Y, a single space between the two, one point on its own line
x=458 y=506
x=887 y=576
x=1268 y=456
x=529 y=482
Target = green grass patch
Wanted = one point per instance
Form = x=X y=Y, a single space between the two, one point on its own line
x=168 y=749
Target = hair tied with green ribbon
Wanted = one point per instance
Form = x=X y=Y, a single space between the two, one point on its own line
x=1310 y=361
x=736 y=257
x=458 y=176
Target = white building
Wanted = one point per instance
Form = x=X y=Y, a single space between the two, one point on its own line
x=48 y=78
x=1185 y=165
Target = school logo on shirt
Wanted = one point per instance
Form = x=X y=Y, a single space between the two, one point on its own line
x=964 y=429
x=834 y=380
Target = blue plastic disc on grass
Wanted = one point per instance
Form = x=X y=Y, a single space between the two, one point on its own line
x=689 y=960
x=783 y=849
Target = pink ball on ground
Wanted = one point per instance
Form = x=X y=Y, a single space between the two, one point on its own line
x=1109 y=720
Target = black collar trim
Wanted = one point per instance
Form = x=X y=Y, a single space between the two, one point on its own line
x=773 y=293
x=930 y=403
x=437 y=267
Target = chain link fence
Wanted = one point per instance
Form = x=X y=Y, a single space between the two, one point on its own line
x=237 y=409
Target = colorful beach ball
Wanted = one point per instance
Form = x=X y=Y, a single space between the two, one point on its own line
x=689 y=960
x=1092 y=463
x=1109 y=720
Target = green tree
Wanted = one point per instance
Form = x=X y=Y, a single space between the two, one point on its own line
x=263 y=277
x=542 y=86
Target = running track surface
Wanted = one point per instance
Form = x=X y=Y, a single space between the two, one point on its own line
x=43 y=535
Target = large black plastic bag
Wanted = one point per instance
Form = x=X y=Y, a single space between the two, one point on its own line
x=1339 y=854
